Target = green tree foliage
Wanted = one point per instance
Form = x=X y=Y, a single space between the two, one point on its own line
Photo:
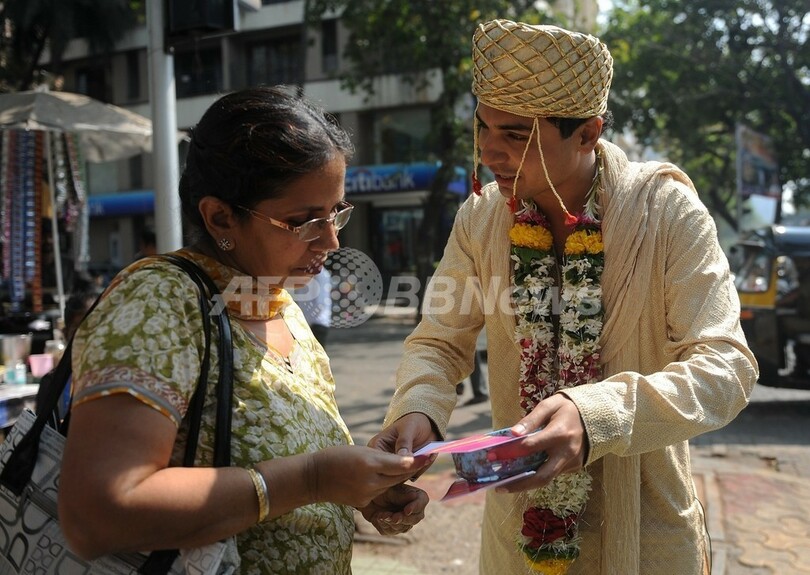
x=686 y=72
x=31 y=26
x=425 y=41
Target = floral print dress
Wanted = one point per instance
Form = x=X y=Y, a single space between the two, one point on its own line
x=145 y=338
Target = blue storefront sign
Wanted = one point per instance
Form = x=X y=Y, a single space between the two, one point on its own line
x=122 y=204
x=359 y=180
x=399 y=178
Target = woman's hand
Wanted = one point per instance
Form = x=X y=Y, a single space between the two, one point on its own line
x=356 y=476
x=397 y=509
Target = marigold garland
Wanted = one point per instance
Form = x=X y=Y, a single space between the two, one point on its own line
x=556 y=358
x=530 y=236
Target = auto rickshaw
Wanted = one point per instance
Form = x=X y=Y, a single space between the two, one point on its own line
x=772 y=274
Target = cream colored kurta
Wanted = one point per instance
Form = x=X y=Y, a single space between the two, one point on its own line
x=675 y=362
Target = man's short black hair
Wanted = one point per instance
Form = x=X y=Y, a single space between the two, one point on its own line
x=566 y=126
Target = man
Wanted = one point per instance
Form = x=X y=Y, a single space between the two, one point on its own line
x=612 y=323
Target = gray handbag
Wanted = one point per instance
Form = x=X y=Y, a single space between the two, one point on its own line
x=31 y=540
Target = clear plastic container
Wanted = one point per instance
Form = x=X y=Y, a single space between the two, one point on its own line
x=16 y=373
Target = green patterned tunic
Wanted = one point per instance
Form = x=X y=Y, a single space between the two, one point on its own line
x=145 y=338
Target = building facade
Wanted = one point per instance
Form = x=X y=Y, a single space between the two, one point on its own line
x=390 y=175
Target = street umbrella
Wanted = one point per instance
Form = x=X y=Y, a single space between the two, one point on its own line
x=104 y=132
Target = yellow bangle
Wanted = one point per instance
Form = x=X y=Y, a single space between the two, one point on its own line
x=261 y=493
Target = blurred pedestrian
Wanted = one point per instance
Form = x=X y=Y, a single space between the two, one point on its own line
x=315 y=300
x=147 y=244
x=478 y=384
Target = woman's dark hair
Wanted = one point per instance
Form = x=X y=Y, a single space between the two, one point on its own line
x=566 y=126
x=252 y=143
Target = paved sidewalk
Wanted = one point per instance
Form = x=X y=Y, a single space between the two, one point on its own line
x=756 y=492
x=758 y=518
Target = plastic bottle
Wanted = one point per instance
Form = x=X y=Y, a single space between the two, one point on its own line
x=20 y=373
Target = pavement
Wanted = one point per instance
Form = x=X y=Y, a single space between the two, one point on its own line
x=753 y=476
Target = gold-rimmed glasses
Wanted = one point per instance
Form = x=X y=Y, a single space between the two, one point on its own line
x=313 y=229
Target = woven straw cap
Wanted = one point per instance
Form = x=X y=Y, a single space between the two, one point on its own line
x=542 y=71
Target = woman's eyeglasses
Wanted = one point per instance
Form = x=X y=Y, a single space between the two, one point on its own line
x=313 y=229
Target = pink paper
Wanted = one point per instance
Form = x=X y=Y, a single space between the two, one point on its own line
x=461 y=487
x=467 y=444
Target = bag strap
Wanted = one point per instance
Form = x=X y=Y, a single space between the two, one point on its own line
x=160 y=561
x=224 y=389
x=21 y=462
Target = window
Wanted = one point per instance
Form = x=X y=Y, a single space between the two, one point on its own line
x=754 y=274
x=402 y=135
x=275 y=62
x=198 y=72
x=92 y=81
x=136 y=171
x=395 y=237
x=329 y=48
x=133 y=76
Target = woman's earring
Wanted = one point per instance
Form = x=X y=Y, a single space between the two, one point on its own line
x=225 y=244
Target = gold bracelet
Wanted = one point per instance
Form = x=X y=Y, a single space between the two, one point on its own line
x=261 y=492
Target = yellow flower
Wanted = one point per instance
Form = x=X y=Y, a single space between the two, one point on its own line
x=584 y=242
x=549 y=566
x=528 y=236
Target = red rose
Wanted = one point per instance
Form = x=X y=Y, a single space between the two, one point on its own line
x=541 y=526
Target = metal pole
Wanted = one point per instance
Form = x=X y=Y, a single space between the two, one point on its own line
x=168 y=220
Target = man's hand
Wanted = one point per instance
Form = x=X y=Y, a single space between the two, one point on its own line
x=562 y=438
x=405 y=435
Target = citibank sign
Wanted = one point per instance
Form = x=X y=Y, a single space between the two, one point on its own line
x=398 y=178
x=359 y=180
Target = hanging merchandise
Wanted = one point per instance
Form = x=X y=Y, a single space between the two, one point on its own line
x=5 y=206
x=28 y=248
x=79 y=215
x=5 y=203
x=72 y=128
x=20 y=190
x=60 y=171
x=16 y=221
x=34 y=217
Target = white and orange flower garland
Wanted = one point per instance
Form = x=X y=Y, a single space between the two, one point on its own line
x=555 y=355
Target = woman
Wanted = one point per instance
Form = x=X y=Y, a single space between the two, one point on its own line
x=263 y=189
